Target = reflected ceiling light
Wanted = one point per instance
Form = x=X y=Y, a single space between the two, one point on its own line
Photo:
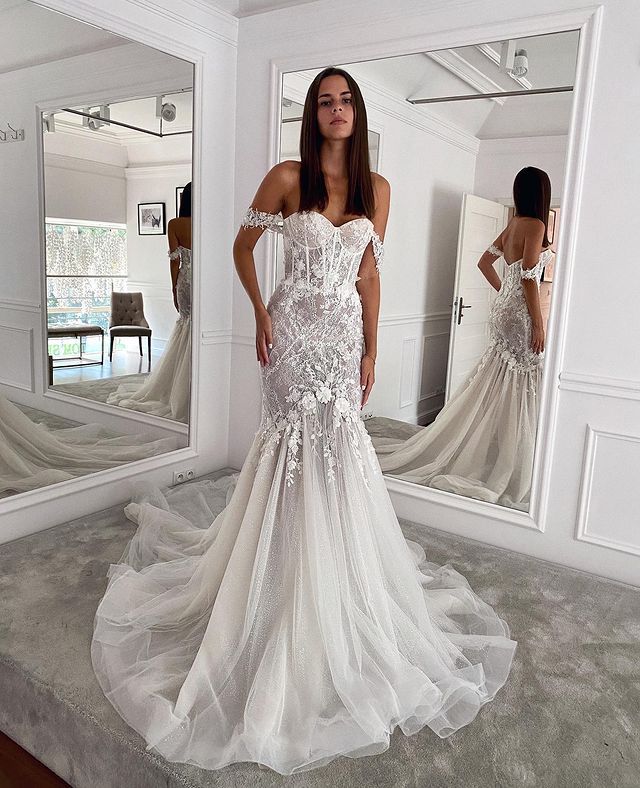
x=97 y=119
x=520 y=63
x=165 y=110
x=513 y=61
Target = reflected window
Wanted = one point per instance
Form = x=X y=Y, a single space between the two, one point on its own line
x=85 y=261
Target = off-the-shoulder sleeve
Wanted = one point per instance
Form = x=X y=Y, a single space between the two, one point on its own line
x=175 y=255
x=268 y=221
x=492 y=249
x=530 y=273
x=378 y=249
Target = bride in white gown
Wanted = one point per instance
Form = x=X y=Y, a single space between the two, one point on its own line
x=166 y=390
x=297 y=624
x=482 y=442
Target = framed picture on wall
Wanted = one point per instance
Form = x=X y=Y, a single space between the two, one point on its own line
x=152 y=218
x=551 y=225
x=179 y=190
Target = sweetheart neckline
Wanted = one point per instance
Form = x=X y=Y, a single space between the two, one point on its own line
x=326 y=218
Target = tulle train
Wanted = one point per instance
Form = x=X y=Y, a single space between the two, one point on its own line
x=291 y=626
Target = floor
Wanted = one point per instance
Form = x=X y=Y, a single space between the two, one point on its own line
x=567 y=718
x=124 y=362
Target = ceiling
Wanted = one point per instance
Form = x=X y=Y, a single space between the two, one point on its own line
x=473 y=70
x=39 y=35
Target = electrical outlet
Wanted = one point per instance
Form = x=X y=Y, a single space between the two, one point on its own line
x=184 y=475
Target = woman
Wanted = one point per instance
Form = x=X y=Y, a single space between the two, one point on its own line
x=165 y=392
x=481 y=444
x=300 y=624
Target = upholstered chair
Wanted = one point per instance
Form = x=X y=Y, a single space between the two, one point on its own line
x=128 y=320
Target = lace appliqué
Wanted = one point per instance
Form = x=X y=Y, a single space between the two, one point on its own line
x=378 y=249
x=311 y=391
x=531 y=273
x=183 y=283
x=325 y=416
x=268 y=221
x=494 y=250
x=510 y=327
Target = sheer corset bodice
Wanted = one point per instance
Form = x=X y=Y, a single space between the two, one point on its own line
x=183 y=284
x=509 y=321
x=312 y=379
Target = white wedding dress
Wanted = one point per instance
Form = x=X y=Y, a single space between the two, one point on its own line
x=32 y=455
x=296 y=623
x=165 y=391
x=482 y=442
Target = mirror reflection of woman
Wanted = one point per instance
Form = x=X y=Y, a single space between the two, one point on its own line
x=300 y=624
x=481 y=444
x=166 y=390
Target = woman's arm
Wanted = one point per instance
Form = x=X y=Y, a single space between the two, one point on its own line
x=368 y=286
x=485 y=263
x=269 y=198
x=532 y=248
x=174 y=262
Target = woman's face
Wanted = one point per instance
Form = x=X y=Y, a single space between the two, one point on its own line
x=336 y=113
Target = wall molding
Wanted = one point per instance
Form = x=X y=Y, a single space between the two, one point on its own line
x=61 y=161
x=160 y=170
x=598 y=385
x=28 y=383
x=20 y=305
x=411 y=319
x=220 y=336
x=586 y=487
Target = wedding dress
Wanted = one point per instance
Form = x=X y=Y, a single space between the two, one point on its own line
x=295 y=623
x=482 y=442
x=165 y=392
x=32 y=455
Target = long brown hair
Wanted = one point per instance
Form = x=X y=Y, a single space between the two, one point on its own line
x=532 y=196
x=313 y=190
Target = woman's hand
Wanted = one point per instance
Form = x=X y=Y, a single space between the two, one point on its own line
x=367 y=377
x=264 y=339
x=537 y=339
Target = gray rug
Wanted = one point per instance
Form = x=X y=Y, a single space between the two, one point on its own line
x=567 y=717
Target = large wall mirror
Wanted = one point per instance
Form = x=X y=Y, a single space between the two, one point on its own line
x=95 y=309
x=451 y=408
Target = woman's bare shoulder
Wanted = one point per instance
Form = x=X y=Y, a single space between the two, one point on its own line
x=380 y=183
x=285 y=172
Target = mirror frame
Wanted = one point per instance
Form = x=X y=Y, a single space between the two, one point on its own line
x=207 y=27
x=409 y=498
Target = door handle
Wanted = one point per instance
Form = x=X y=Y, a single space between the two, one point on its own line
x=460 y=308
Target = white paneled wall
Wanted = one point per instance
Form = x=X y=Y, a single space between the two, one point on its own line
x=591 y=317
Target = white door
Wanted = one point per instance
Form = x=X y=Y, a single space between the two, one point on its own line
x=480 y=222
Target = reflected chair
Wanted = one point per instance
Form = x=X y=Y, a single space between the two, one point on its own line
x=128 y=320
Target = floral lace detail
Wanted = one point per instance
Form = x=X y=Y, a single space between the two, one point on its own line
x=183 y=283
x=268 y=221
x=378 y=249
x=510 y=326
x=531 y=273
x=494 y=250
x=311 y=385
